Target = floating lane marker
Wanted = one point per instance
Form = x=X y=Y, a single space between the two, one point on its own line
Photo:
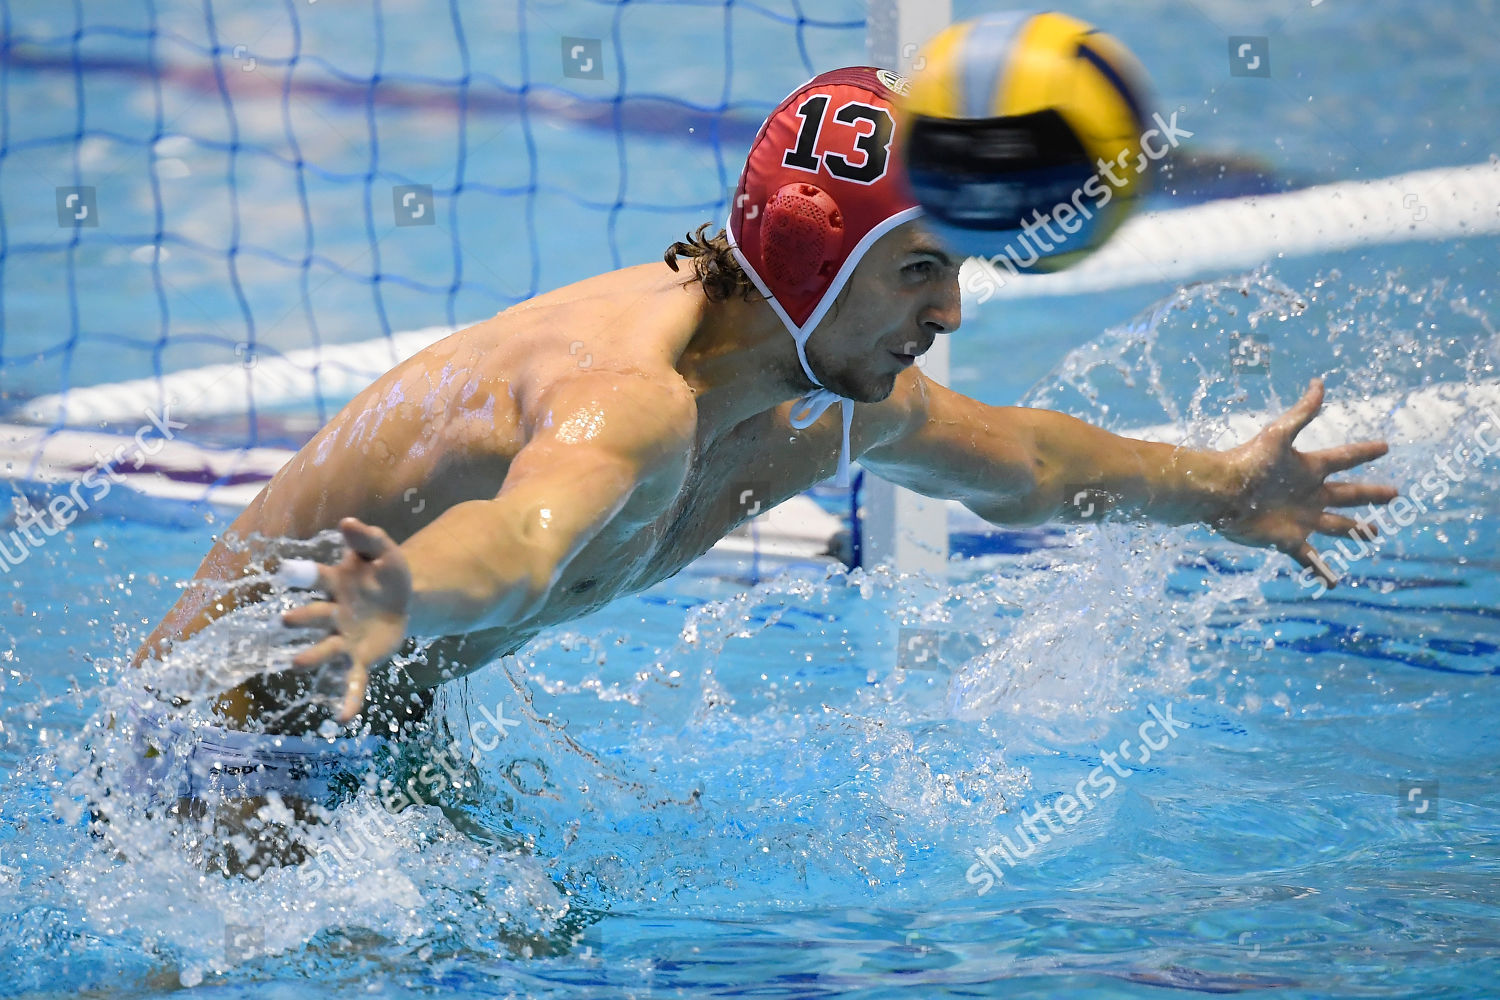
x=1238 y=233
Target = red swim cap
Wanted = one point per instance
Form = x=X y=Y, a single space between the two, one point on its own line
x=821 y=184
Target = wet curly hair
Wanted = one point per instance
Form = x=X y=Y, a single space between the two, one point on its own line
x=714 y=266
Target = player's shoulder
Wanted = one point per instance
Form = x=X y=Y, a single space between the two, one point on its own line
x=649 y=412
x=642 y=397
x=593 y=363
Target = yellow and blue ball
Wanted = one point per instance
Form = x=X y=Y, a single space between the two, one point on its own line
x=1019 y=116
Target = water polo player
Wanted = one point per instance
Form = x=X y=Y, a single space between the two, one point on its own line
x=782 y=352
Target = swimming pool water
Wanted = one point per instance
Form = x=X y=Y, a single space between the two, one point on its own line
x=718 y=790
x=755 y=791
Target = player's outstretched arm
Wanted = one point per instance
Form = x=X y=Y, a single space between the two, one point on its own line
x=593 y=443
x=1017 y=465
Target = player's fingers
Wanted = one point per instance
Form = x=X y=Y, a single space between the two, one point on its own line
x=1338 y=524
x=1308 y=558
x=354 y=693
x=320 y=653
x=1302 y=412
x=366 y=540
x=1357 y=494
x=319 y=614
x=1347 y=456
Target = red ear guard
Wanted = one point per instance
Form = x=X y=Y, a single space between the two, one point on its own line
x=802 y=238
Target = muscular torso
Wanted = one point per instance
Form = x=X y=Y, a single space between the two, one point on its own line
x=444 y=427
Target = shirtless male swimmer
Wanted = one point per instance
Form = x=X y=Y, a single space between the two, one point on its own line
x=552 y=488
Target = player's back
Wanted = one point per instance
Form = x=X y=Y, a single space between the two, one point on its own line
x=444 y=426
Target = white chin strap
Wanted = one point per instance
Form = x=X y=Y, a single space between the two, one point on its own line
x=812 y=405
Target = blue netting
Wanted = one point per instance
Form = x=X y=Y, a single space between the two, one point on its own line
x=242 y=170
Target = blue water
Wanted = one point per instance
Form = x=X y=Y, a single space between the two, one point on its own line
x=719 y=790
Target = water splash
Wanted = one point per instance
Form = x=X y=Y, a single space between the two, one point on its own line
x=694 y=753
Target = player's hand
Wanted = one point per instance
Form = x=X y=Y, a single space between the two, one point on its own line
x=366 y=612
x=1283 y=494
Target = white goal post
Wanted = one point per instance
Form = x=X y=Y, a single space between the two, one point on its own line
x=905 y=530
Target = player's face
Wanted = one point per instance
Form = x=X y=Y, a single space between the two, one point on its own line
x=901 y=295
